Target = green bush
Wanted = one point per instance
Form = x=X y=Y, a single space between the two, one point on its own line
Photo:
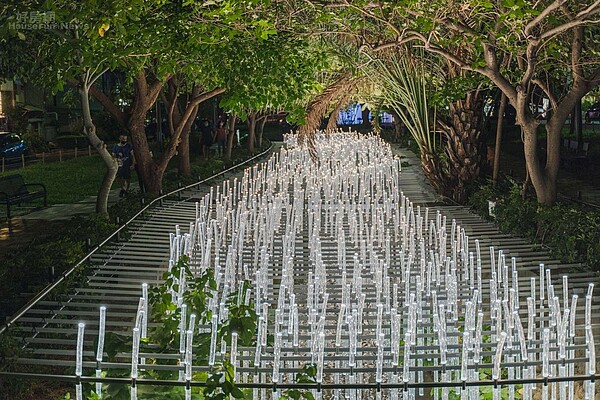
x=515 y=214
x=27 y=269
x=480 y=195
x=571 y=233
x=35 y=142
x=126 y=208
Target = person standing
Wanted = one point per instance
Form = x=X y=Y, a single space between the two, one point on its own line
x=206 y=138
x=221 y=137
x=123 y=153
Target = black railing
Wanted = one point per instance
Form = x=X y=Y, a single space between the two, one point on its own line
x=44 y=292
x=308 y=386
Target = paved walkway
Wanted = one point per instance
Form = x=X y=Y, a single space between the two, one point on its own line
x=49 y=329
x=27 y=225
x=413 y=180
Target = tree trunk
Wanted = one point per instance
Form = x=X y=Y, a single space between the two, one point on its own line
x=184 y=166
x=543 y=179
x=152 y=174
x=576 y=122
x=499 y=126
x=188 y=115
x=183 y=157
x=261 y=130
x=175 y=118
x=147 y=167
x=433 y=171
x=109 y=162
x=251 y=122
x=230 y=136
x=145 y=96
x=464 y=150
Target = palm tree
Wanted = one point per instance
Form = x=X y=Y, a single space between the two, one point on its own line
x=406 y=81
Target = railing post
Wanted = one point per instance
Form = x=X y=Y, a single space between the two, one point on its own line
x=179 y=192
x=89 y=149
x=119 y=225
x=23 y=160
x=60 y=155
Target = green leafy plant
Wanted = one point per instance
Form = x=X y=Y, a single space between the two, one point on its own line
x=241 y=318
x=198 y=291
x=35 y=142
x=571 y=233
x=307 y=375
x=221 y=383
x=485 y=392
x=405 y=80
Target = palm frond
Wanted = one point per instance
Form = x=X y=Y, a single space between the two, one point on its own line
x=404 y=88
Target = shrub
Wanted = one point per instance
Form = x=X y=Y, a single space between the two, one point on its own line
x=571 y=233
x=35 y=142
x=480 y=195
x=515 y=214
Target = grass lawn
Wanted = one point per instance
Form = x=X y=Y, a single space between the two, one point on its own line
x=67 y=181
x=73 y=180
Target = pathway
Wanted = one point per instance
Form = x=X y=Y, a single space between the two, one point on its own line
x=49 y=329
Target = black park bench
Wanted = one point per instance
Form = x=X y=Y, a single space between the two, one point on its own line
x=14 y=191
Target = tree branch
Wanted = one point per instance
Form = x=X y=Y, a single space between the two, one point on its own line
x=156 y=87
x=595 y=79
x=547 y=91
x=97 y=76
x=109 y=106
x=375 y=17
x=490 y=56
x=170 y=102
x=592 y=9
x=395 y=43
x=176 y=134
x=545 y=13
x=205 y=96
x=531 y=59
x=576 y=54
x=557 y=30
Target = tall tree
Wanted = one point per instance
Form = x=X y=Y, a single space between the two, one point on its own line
x=517 y=45
x=55 y=44
x=271 y=75
x=176 y=43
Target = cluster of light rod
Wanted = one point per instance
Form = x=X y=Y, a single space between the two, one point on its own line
x=349 y=275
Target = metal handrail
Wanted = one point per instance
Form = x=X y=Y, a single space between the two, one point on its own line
x=44 y=292
x=309 y=386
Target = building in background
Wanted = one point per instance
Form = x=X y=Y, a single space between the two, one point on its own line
x=27 y=108
x=359 y=114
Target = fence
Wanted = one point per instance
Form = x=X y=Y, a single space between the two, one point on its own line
x=58 y=155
